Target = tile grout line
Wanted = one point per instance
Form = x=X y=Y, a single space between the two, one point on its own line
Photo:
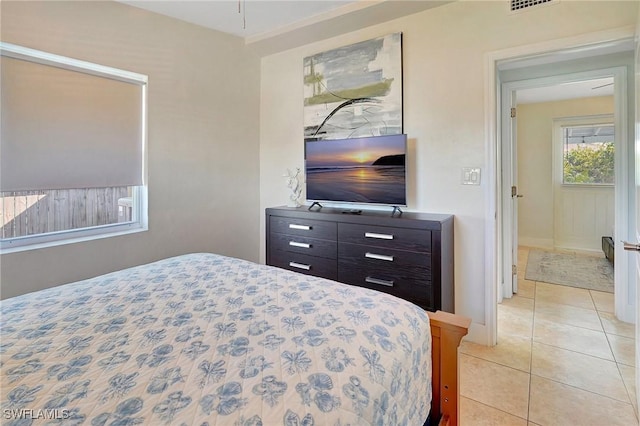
x=504 y=366
x=580 y=353
x=582 y=389
x=497 y=363
x=494 y=408
x=533 y=327
x=624 y=383
x=613 y=354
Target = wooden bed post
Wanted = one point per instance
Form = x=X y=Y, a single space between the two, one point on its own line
x=447 y=330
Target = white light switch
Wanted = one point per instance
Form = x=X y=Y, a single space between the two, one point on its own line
x=471 y=175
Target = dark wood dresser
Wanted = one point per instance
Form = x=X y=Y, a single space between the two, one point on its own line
x=408 y=255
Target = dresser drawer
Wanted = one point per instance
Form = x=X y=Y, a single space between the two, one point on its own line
x=304 y=227
x=303 y=245
x=409 y=265
x=382 y=236
x=394 y=282
x=317 y=266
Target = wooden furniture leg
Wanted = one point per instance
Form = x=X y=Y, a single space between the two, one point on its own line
x=447 y=330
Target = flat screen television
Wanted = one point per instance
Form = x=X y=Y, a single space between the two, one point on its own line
x=369 y=170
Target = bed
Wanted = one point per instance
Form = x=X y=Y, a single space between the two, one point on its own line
x=204 y=339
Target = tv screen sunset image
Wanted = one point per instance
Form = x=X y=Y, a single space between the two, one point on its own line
x=362 y=170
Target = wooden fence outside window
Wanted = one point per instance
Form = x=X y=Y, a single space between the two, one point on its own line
x=39 y=212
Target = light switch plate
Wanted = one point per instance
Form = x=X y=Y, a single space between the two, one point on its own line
x=471 y=175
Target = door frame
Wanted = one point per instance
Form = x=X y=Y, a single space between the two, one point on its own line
x=619 y=74
x=563 y=48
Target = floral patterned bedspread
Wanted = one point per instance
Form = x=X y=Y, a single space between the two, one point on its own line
x=204 y=339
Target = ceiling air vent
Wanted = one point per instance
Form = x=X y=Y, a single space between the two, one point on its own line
x=517 y=5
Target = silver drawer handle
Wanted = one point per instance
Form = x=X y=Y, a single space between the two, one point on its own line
x=378 y=236
x=379 y=256
x=371 y=280
x=300 y=266
x=302 y=227
x=297 y=244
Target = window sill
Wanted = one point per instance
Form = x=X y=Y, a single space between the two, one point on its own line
x=73 y=240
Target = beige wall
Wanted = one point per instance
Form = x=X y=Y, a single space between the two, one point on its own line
x=444 y=109
x=203 y=140
x=535 y=155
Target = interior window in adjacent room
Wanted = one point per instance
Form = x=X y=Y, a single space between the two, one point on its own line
x=588 y=154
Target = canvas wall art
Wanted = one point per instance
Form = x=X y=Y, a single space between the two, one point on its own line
x=354 y=91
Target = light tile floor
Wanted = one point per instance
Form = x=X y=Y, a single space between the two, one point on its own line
x=562 y=359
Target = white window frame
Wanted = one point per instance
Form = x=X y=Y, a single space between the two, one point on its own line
x=140 y=210
x=558 y=144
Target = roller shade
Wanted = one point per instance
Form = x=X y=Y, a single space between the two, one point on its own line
x=64 y=128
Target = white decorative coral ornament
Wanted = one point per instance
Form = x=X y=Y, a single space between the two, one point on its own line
x=293 y=183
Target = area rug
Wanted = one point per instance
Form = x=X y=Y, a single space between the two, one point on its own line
x=573 y=270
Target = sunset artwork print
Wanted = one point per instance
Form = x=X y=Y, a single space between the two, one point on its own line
x=360 y=170
x=355 y=90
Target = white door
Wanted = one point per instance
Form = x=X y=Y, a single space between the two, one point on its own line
x=509 y=194
x=515 y=194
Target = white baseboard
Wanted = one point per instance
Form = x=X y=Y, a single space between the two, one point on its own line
x=578 y=246
x=548 y=244
x=583 y=250
x=478 y=334
x=543 y=243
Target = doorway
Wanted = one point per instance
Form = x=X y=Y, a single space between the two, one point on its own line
x=528 y=63
x=561 y=56
x=566 y=165
x=561 y=189
x=614 y=218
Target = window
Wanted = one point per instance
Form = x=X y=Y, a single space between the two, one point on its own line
x=72 y=149
x=588 y=154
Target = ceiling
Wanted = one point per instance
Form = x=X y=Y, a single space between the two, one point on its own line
x=246 y=18
x=573 y=90
x=269 y=26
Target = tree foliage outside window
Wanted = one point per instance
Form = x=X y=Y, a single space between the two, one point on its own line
x=590 y=165
x=589 y=162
